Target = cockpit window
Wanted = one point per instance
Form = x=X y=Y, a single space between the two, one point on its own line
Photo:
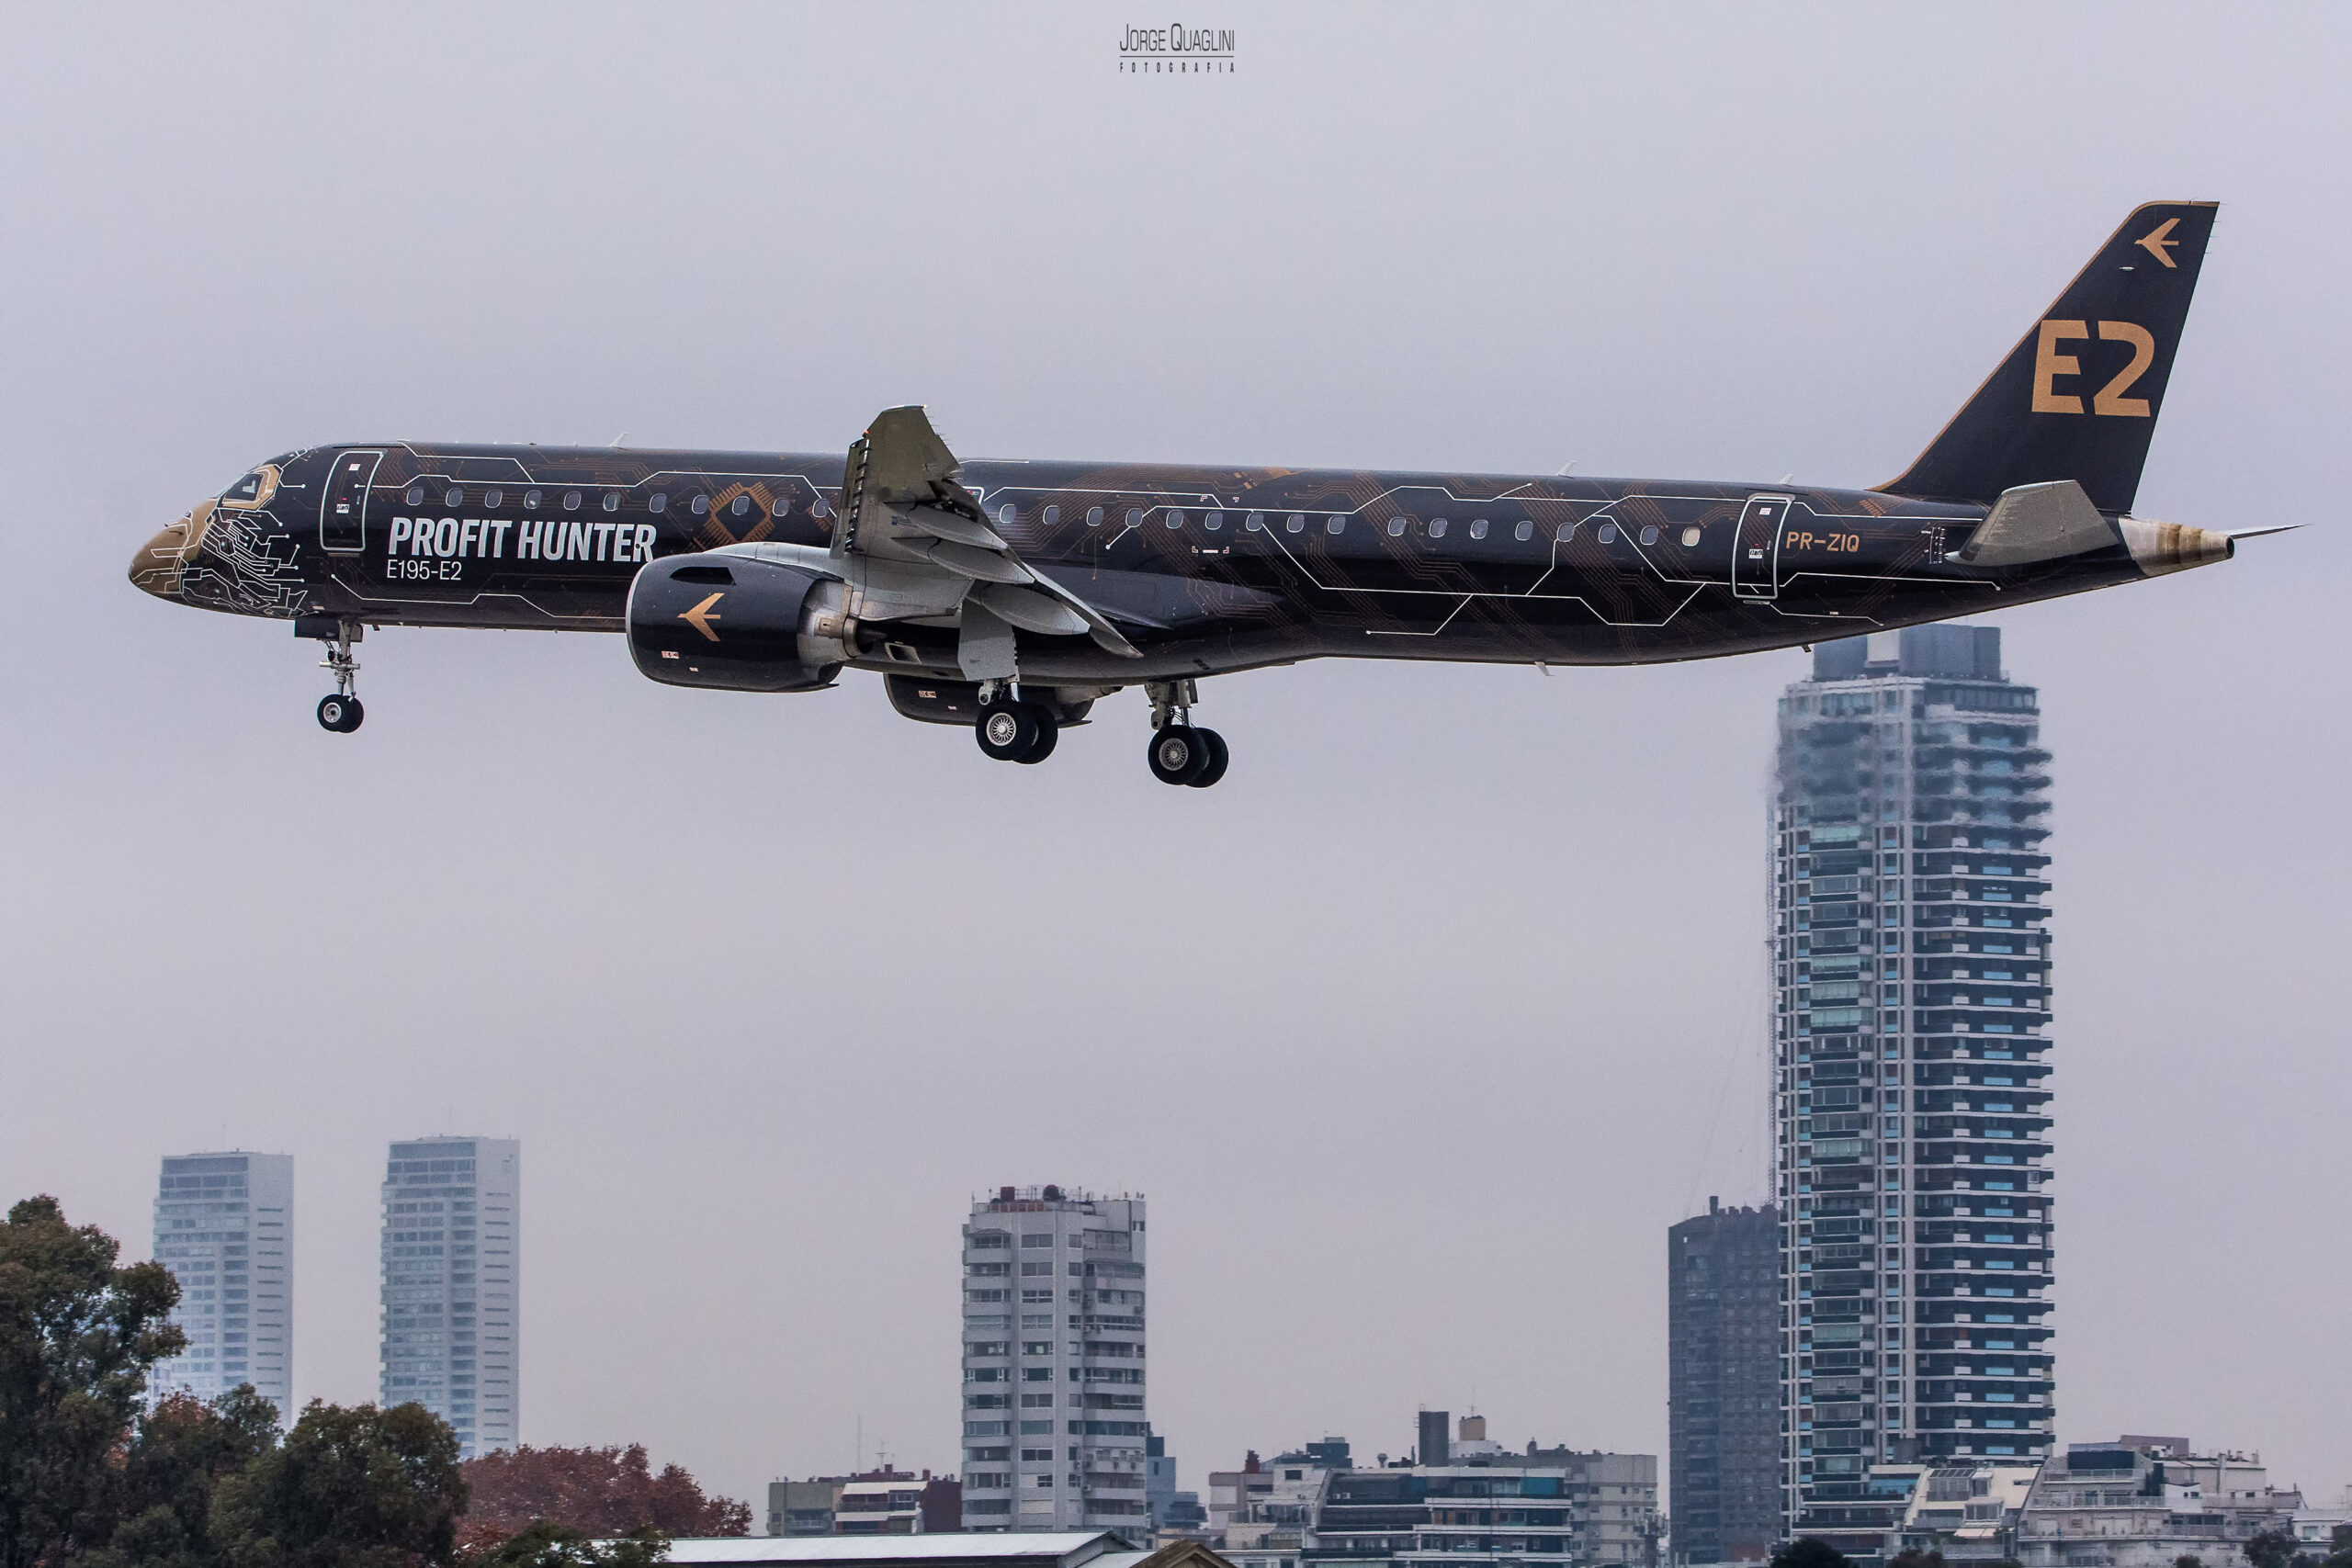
x=254 y=490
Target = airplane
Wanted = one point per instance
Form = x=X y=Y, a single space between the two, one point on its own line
x=1008 y=597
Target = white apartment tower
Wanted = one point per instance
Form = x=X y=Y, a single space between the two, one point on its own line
x=224 y=1226
x=1053 y=1426
x=451 y=1238
x=1912 y=966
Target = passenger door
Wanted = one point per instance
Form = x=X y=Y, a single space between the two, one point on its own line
x=342 y=510
x=1756 y=548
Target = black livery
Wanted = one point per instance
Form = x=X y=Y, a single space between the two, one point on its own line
x=1009 y=596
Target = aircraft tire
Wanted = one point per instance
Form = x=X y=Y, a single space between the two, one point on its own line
x=1048 y=735
x=340 y=714
x=1177 y=754
x=1219 y=756
x=1007 y=731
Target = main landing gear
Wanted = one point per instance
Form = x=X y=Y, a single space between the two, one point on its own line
x=1013 y=730
x=1182 y=753
x=342 y=712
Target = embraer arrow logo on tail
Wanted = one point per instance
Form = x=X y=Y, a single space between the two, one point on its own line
x=700 y=616
x=2157 y=246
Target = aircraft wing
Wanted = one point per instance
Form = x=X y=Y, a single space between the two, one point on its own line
x=902 y=504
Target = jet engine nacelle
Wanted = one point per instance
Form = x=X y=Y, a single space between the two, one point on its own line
x=737 y=625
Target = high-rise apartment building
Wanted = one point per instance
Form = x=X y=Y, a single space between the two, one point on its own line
x=451 y=1236
x=1723 y=1334
x=1912 y=960
x=224 y=1226
x=1053 y=1424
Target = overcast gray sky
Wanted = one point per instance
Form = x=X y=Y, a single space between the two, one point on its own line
x=1418 y=1031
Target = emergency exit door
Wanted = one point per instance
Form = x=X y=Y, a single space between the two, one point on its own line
x=342 y=510
x=1756 y=548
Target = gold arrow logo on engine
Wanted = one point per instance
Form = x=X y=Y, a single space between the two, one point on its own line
x=700 y=616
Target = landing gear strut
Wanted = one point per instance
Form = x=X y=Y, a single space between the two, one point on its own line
x=1182 y=753
x=342 y=712
x=1011 y=729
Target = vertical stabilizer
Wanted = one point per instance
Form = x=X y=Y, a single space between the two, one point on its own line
x=2077 y=398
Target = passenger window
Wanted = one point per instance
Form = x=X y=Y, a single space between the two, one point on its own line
x=1568 y=533
x=1334 y=523
x=1053 y=515
x=1689 y=538
x=659 y=501
x=1257 y=521
x=417 y=495
x=1524 y=532
x=1213 y=521
x=779 y=506
x=457 y=496
x=1005 y=513
x=612 y=501
x=1134 y=516
x=1094 y=517
x=531 y=499
x=820 y=507
x=493 y=498
x=1175 y=518
x=1608 y=532
x=572 y=500
x=1478 y=527
x=698 y=505
x=1395 y=527
x=1437 y=527
x=743 y=504
x=1296 y=521
x=1649 y=536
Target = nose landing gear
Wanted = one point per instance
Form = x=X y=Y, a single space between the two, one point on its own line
x=1181 y=753
x=342 y=712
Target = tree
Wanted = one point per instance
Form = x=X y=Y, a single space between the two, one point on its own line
x=182 y=1449
x=1805 y=1552
x=2189 y=1559
x=543 y=1545
x=77 y=1337
x=1912 y=1557
x=2275 y=1548
x=603 y=1492
x=348 y=1488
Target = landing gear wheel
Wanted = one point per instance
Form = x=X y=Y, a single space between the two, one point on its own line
x=1179 y=754
x=1008 y=732
x=1048 y=735
x=340 y=714
x=1219 y=755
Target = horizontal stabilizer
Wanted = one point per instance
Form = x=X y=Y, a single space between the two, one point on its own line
x=2039 y=523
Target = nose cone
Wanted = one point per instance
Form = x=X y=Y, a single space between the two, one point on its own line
x=157 y=565
x=2160 y=548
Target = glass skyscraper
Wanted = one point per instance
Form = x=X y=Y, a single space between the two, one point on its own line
x=224 y=1226
x=450 y=1281
x=1912 y=966
x=1723 y=1334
